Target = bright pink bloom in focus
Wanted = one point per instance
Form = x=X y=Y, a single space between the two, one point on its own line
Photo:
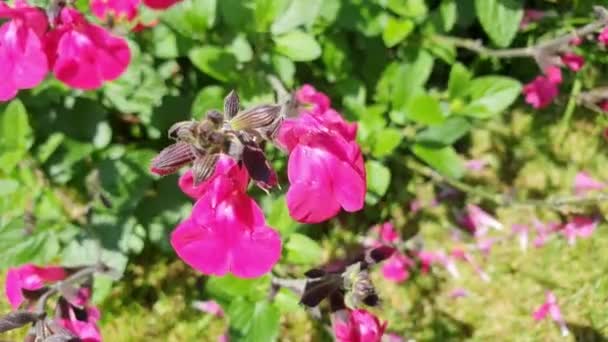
x=29 y=277
x=583 y=183
x=23 y=62
x=579 y=226
x=357 y=326
x=325 y=167
x=603 y=36
x=119 y=9
x=160 y=4
x=550 y=307
x=226 y=231
x=396 y=268
x=83 y=55
x=573 y=61
x=541 y=92
x=225 y=167
x=87 y=330
x=210 y=307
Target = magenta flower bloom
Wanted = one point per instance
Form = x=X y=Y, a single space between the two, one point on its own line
x=29 y=278
x=573 y=61
x=118 y=9
x=226 y=231
x=583 y=183
x=387 y=233
x=478 y=221
x=160 y=4
x=428 y=258
x=579 y=226
x=543 y=232
x=357 y=326
x=396 y=268
x=210 y=307
x=23 y=62
x=83 y=326
x=541 y=92
x=326 y=171
x=83 y=55
x=551 y=308
x=603 y=37
x=226 y=167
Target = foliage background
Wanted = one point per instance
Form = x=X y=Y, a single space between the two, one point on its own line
x=75 y=187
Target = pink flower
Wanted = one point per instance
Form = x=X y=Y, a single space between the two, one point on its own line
x=475 y=164
x=119 y=9
x=530 y=16
x=227 y=232
x=576 y=41
x=325 y=170
x=225 y=167
x=387 y=232
x=573 y=61
x=23 y=62
x=392 y=337
x=543 y=231
x=603 y=106
x=83 y=55
x=428 y=258
x=357 y=326
x=541 y=92
x=396 y=268
x=210 y=307
x=603 y=36
x=29 y=278
x=160 y=4
x=458 y=293
x=583 y=183
x=83 y=325
x=579 y=226
x=522 y=234
x=318 y=104
x=550 y=307
x=463 y=255
x=478 y=221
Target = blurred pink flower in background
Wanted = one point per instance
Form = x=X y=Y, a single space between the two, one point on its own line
x=160 y=4
x=462 y=254
x=325 y=168
x=522 y=235
x=210 y=307
x=543 y=89
x=357 y=326
x=83 y=55
x=458 y=293
x=583 y=183
x=551 y=308
x=29 y=277
x=23 y=62
x=475 y=164
x=84 y=327
x=429 y=258
x=530 y=16
x=396 y=268
x=573 y=61
x=387 y=233
x=603 y=36
x=117 y=9
x=579 y=226
x=544 y=231
x=477 y=221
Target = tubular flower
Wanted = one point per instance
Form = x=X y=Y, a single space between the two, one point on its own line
x=541 y=92
x=396 y=268
x=603 y=37
x=583 y=183
x=160 y=4
x=226 y=231
x=551 y=308
x=579 y=226
x=325 y=167
x=357 y=326
x=83 y=55
x=29 y=278
x=23 y=63
x=573 y=61
x=477 y=221
x=118 y=9
x=82 y=322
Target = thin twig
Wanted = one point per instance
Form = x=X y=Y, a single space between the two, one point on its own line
x=534 y=50
x=503 y=199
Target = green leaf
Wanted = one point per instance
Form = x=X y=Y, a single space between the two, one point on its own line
x=15 y=135
x=459 y=81
x=210 y=97
x=443 y=159
x=500 y=19
x=265 y=12
x=299 y=13
x=191 y=18
x=396 y=30
x=285 y=68
x=491 y=95
x=378 y=177
x=448 y=11
x=265 y=323
x=238 y=15
x=215 y=62
x=241 y=49
x=229 y=286
x=416 y=9
x=386 y=141
x=426 y=110
x=88 y=252
x=303 y=250
x=278 y=215
x=241 y=313
x=17 y=247
x=445 y=134
x=298 y=46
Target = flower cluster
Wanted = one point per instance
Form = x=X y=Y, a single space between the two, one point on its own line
x=80 y=54
x=27 y=284
x=226 y=231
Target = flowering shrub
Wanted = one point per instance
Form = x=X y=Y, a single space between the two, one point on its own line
x=302 y=169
